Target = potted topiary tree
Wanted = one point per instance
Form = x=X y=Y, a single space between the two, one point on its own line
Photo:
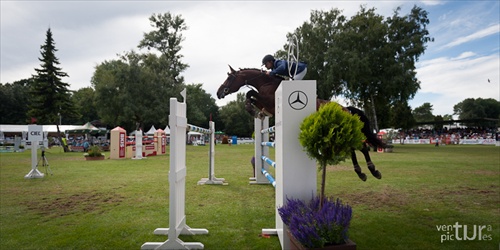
x=328 y=135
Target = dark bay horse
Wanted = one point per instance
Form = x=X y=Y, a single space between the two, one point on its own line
x=261 y=98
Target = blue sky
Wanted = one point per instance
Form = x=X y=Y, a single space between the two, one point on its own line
x=456 y=66
x=463 y=57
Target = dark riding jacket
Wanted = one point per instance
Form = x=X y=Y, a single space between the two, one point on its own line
x=281 y=67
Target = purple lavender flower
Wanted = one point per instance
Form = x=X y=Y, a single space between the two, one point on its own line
x=313 y=226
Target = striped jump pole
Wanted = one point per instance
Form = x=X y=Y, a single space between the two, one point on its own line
x=262 y=173
x=269 y=177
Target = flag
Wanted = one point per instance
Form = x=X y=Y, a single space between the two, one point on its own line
x=33 y=120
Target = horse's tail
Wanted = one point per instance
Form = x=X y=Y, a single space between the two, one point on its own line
x=371 y=138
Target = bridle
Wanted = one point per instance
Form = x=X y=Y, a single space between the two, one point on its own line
x=246 y=83
x=226 y=88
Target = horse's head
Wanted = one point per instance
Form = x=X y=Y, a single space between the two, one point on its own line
x=232 y=84
x=252 y=77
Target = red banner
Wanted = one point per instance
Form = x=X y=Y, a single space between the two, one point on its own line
x=121 y=149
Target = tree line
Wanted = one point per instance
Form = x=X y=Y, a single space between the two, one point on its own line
x=368 y=59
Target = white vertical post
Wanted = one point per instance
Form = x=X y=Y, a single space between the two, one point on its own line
x=211 y=180
x=211 y=158
x=296 y=174
x=177 y=186
x=260 y=150
x=138 y=145
x=35 y=136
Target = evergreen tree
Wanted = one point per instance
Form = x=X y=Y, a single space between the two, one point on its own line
x=50 y=95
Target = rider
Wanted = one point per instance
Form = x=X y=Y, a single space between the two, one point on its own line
x=280 y=67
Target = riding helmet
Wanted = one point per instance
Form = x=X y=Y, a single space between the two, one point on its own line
x=267 y=58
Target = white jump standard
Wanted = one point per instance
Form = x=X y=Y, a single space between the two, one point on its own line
x=211 y=180
x=262 y=144
x=35 y=136
x=177 y=185
x=296 y=174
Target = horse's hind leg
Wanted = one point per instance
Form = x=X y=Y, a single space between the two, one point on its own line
x=369 y=162
x=357 y=168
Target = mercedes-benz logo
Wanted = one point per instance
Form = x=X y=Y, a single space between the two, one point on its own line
x=297 y=100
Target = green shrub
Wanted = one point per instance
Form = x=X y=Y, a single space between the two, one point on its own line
x=329 y=135
x=94 y=151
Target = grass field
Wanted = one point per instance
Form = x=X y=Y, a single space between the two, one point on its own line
x=116 y=204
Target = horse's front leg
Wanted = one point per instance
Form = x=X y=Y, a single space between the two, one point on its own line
x=252 y=105
x=357 y=168
x=267 y=102
x=369 y=162
x=259 y=104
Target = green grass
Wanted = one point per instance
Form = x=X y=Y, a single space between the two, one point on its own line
x=117 y=204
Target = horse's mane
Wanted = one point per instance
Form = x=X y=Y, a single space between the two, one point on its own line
x=250 y=69
x=279 y=77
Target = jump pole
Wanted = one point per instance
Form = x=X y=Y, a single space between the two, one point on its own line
x=260 y=150
x=296 y=173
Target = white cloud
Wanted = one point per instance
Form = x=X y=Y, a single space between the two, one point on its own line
x=476 y=35
x=455 y=79
x=237 y=33
x=432 y=2
x=464 y=55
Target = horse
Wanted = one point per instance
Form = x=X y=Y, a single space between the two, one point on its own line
x=261 y=98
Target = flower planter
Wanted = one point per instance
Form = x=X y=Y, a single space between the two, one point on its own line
x=94 y=158
x=295 y=245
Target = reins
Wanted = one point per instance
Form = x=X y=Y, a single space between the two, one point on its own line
x=247 y=82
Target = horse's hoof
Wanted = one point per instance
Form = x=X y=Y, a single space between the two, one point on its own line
x=362 y=176
x=377 y=174
x=266 y=113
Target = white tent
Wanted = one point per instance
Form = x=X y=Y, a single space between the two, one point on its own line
x=167 y=130
x=86 y=128
x=7 y=128
x=151 y=131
